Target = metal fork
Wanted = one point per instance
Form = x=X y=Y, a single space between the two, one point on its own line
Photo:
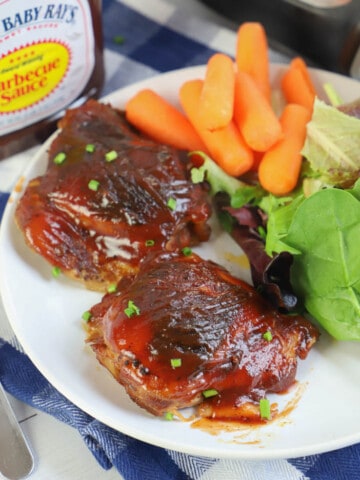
x=16 y=458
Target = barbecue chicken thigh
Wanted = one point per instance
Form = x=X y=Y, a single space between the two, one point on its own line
x=185 y=326
x=110 y=196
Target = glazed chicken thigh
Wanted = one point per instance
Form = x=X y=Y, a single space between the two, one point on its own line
x=109 y=197
x=185 y=325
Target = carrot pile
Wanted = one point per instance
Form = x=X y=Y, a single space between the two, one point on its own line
x=225 y=144
x=229 y=115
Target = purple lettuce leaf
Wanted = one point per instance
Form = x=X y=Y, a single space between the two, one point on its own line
x=270 y=275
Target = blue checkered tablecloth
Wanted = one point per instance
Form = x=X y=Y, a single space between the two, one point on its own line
x=158 y=36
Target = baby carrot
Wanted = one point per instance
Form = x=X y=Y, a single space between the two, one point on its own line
x=216 y=103
x=254 y=115
x=296 y=89
x=252 y=54
x=300 y=63
x=257 y=159
x=225 y=145
x=161 y=121
x=280 y=166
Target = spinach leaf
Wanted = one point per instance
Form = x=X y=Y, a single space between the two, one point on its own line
x=325 y=230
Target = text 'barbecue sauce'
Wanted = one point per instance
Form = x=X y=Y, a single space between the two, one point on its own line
x=51 y=56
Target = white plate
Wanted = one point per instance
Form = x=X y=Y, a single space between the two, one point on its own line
x=45 y=314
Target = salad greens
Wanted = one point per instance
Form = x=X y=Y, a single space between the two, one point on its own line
x=332 y=145
x=218 y=180
x=318 y=224
x=325 y=230
x=239 y=191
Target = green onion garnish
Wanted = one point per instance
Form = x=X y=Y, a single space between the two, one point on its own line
x=268 y=336
x=171 y=203
x=169 y=416
x=60 y=158
x=90 y=148
x=94 y=185
x=131 y=309
x=197 y=175
x=265 y=408
x=175 y=362
x=211 y=392
x=56 y=271
x=112 y=288
x=187 y=251
x=150 y=243
x=86 y=316
x=111 y=156
x=119 y=39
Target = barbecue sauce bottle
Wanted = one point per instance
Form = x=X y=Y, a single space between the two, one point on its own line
x=51 y=58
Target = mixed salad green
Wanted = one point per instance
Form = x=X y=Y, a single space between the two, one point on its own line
x=311 y=237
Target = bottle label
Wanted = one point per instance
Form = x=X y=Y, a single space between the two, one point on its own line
x=47 y=60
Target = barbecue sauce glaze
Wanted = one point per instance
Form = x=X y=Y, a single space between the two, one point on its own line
x=195 y=328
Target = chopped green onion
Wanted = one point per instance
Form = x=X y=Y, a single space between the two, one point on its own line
x=169 y=416
x=171 y=203
x=112 y=288
x=150 y=243
x=187 y=251
x=131 y=309
x=197 y=175
x=268 y=336
x=111 y=156
x=60 y=158
x=175 y=362
x=56 y=271
x=211 y=392
x=265 y=411
x=119 y=39
x=90 y=148
x=94 y=185
x=86 y=316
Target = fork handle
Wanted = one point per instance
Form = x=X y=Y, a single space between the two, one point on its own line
x=16 y=459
